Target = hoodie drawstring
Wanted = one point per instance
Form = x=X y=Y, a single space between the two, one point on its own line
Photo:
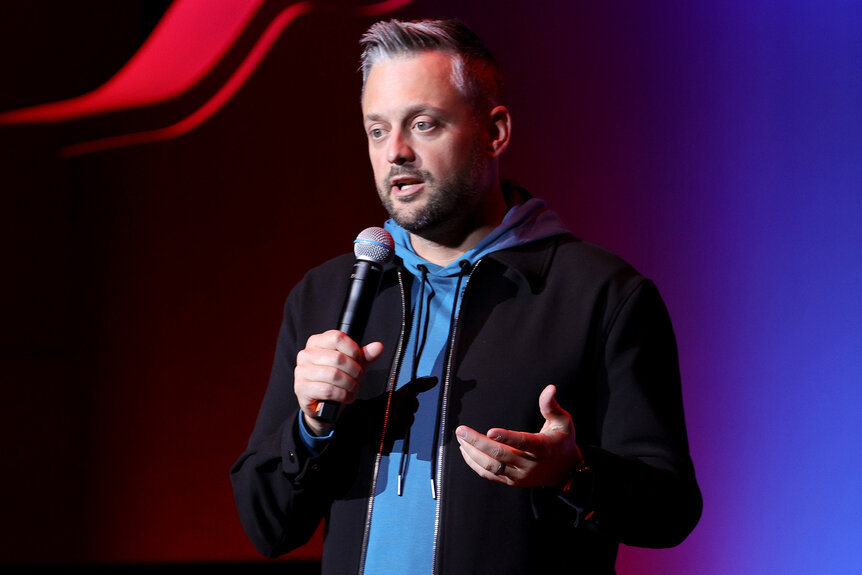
x=418 y=346
x=417 y=352
x=465 y=270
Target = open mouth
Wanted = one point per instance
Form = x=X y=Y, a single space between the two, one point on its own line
x=406 y=186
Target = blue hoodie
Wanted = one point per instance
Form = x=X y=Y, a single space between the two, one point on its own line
x=402 y=525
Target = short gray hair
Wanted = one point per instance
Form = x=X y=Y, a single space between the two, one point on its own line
x=476 y=73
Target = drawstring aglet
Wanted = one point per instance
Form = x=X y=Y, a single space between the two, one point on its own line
x=400 y=486
x=433 y=489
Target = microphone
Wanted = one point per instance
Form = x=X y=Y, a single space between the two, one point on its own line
x=373 y=247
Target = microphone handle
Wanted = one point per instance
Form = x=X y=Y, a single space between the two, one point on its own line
x=364 y=283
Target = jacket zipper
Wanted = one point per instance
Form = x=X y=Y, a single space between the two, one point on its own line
x=441 y=451
x=392 y=381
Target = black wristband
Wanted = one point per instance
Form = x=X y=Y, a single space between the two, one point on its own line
x=577 y=491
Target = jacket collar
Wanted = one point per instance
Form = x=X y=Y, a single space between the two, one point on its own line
x=531 y=262
x=527 y=263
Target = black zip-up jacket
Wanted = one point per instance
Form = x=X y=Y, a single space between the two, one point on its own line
x=557 y=310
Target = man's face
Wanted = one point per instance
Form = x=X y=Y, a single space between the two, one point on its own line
x=426 y=145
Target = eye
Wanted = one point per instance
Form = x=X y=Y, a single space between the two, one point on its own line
x=423 y=125
x=376 y=133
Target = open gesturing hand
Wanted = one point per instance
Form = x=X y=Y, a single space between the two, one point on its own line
x=525 y=459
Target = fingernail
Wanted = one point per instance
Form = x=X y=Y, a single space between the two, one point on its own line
x=460 y=434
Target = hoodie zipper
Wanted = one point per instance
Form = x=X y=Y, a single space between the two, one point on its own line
x=392 y=382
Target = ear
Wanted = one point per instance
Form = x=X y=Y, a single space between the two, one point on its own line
x=500 y=127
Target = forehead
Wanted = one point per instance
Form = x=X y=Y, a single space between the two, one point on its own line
x=411 y=80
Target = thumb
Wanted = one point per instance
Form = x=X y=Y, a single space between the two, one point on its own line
x=372 y=351
x=551 y=410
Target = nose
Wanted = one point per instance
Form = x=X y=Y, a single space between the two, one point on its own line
x=399 y=150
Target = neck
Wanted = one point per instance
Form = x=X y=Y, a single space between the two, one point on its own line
x=444 y=254
x=447 y=245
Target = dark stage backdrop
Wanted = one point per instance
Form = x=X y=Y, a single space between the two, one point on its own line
x=169 y=170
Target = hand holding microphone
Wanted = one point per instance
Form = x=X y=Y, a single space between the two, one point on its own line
x=322 y=368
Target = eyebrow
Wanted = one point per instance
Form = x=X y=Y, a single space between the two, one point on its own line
x=410 y=112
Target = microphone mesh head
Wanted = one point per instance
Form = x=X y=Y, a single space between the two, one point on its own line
x=374 y=245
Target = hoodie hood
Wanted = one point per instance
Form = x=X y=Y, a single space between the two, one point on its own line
x=524 y=223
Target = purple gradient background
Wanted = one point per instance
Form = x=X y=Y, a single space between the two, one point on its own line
x=716 y=146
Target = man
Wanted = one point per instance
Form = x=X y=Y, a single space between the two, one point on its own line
x=492 y=317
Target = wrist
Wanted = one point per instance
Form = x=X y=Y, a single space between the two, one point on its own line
x=314 y=427
x=576 y=475
x=578 y=488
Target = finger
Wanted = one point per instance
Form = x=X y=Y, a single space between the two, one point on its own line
x=312 y=392
x=492 y=449
x=519 y=440
x=471 y=462
x=325 y=374
x=488 y=454
x=338 y=341
x=555 y=416
x=372 y=352
x=548 y=402
x=486 y=467
x=326 y=365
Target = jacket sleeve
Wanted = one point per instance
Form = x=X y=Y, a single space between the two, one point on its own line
x=639 y=486
x=280 y=489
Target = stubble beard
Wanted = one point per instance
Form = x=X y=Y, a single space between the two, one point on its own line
x=450 y=204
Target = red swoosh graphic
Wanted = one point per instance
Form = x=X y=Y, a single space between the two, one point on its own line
x=155 y=74
x=184 y=47
x=211 y=106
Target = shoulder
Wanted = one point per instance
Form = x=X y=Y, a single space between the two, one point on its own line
x=597 y=271
x=566 y=259
x=573 y=252
x=321 y=290
x=310 y=301
x=330 y=269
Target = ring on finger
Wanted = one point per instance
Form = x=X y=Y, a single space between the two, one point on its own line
x=500 y=469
